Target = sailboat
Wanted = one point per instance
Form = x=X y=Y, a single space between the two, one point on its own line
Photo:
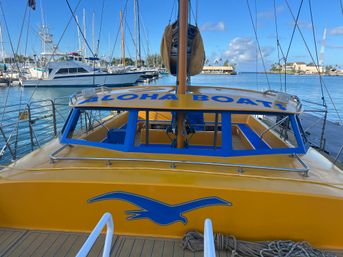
x=74 y=72
x=162 y=159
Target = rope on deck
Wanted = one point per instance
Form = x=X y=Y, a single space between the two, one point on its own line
x=194 y=241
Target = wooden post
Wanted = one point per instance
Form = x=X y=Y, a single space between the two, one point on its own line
x=182 y=66
x=182 y=58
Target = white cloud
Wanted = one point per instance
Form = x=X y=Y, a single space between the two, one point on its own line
x=302 y=24
x=335 y=46
x=336 y=31
x=210 y=26
x=242 y=50
x=305 y=25
x=270 y=14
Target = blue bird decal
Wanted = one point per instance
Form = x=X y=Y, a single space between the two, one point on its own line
x=159 y=212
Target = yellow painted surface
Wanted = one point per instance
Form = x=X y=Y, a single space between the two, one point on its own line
x=266 y=204
x=137 y=98
x=36 y=193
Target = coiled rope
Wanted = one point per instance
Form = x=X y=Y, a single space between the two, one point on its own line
x=194 y=241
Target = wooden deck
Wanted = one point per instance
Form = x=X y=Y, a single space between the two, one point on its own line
x=25 y=243
x=14 y=243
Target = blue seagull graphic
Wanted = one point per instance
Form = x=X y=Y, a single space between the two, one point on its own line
x=159 y=212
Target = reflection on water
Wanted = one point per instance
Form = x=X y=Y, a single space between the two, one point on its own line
x=305 y=87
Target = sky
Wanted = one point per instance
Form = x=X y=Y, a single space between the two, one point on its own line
x=226 y=27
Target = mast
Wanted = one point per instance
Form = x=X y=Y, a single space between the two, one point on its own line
x=78 y=35
x=139 y=35
x=2 y=46
x=135 y=28
x=84 y=33
x=182 y=67
x=322 y=49
x=93 y=32
x=122 y=38
x=182 y=55
x=43 y=28
x=109 y=46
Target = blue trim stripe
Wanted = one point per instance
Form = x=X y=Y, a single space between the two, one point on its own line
x=226 y=149
x=253 y=138
x=226 y=132
x=295 y=127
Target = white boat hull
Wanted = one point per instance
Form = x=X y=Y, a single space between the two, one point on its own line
x=86 y=80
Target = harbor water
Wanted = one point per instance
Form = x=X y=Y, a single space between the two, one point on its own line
x=306 y=87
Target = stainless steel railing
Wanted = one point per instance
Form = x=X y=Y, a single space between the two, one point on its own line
x=106 y=220
x=26 y=126
x=338 y=154
x=240 y=167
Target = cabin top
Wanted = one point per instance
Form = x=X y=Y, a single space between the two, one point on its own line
x=197 y=98
x=63 y=68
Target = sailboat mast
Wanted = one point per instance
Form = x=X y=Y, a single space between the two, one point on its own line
x=135 y=28
x=182 y=67
x=122 y=38
x=93 y=32
x=2 y=46
x=139 y=34
x=182 y=55
x=84 y=33
x=78 y=35
x=44 y=29
x=322 y=49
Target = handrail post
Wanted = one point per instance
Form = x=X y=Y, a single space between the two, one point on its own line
x=53 y=109
x=338 y=154
x=209 y=249
x=7 y=144
x=30 y=125
x=107 y=220
x=322 y=134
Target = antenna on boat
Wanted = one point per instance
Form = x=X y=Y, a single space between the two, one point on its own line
x=181 y=82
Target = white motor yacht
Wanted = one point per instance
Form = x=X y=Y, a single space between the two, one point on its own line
x=75 y=74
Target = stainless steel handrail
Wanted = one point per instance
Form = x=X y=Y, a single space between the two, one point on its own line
x=173 y=163
x=34 y=122
x=209 y=246
x=106 y=220
x=338 y=154
x=270 y=128
x=293 y=98
x=100 y=89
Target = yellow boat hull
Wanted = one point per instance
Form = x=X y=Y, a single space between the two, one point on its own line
x=262 y=209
